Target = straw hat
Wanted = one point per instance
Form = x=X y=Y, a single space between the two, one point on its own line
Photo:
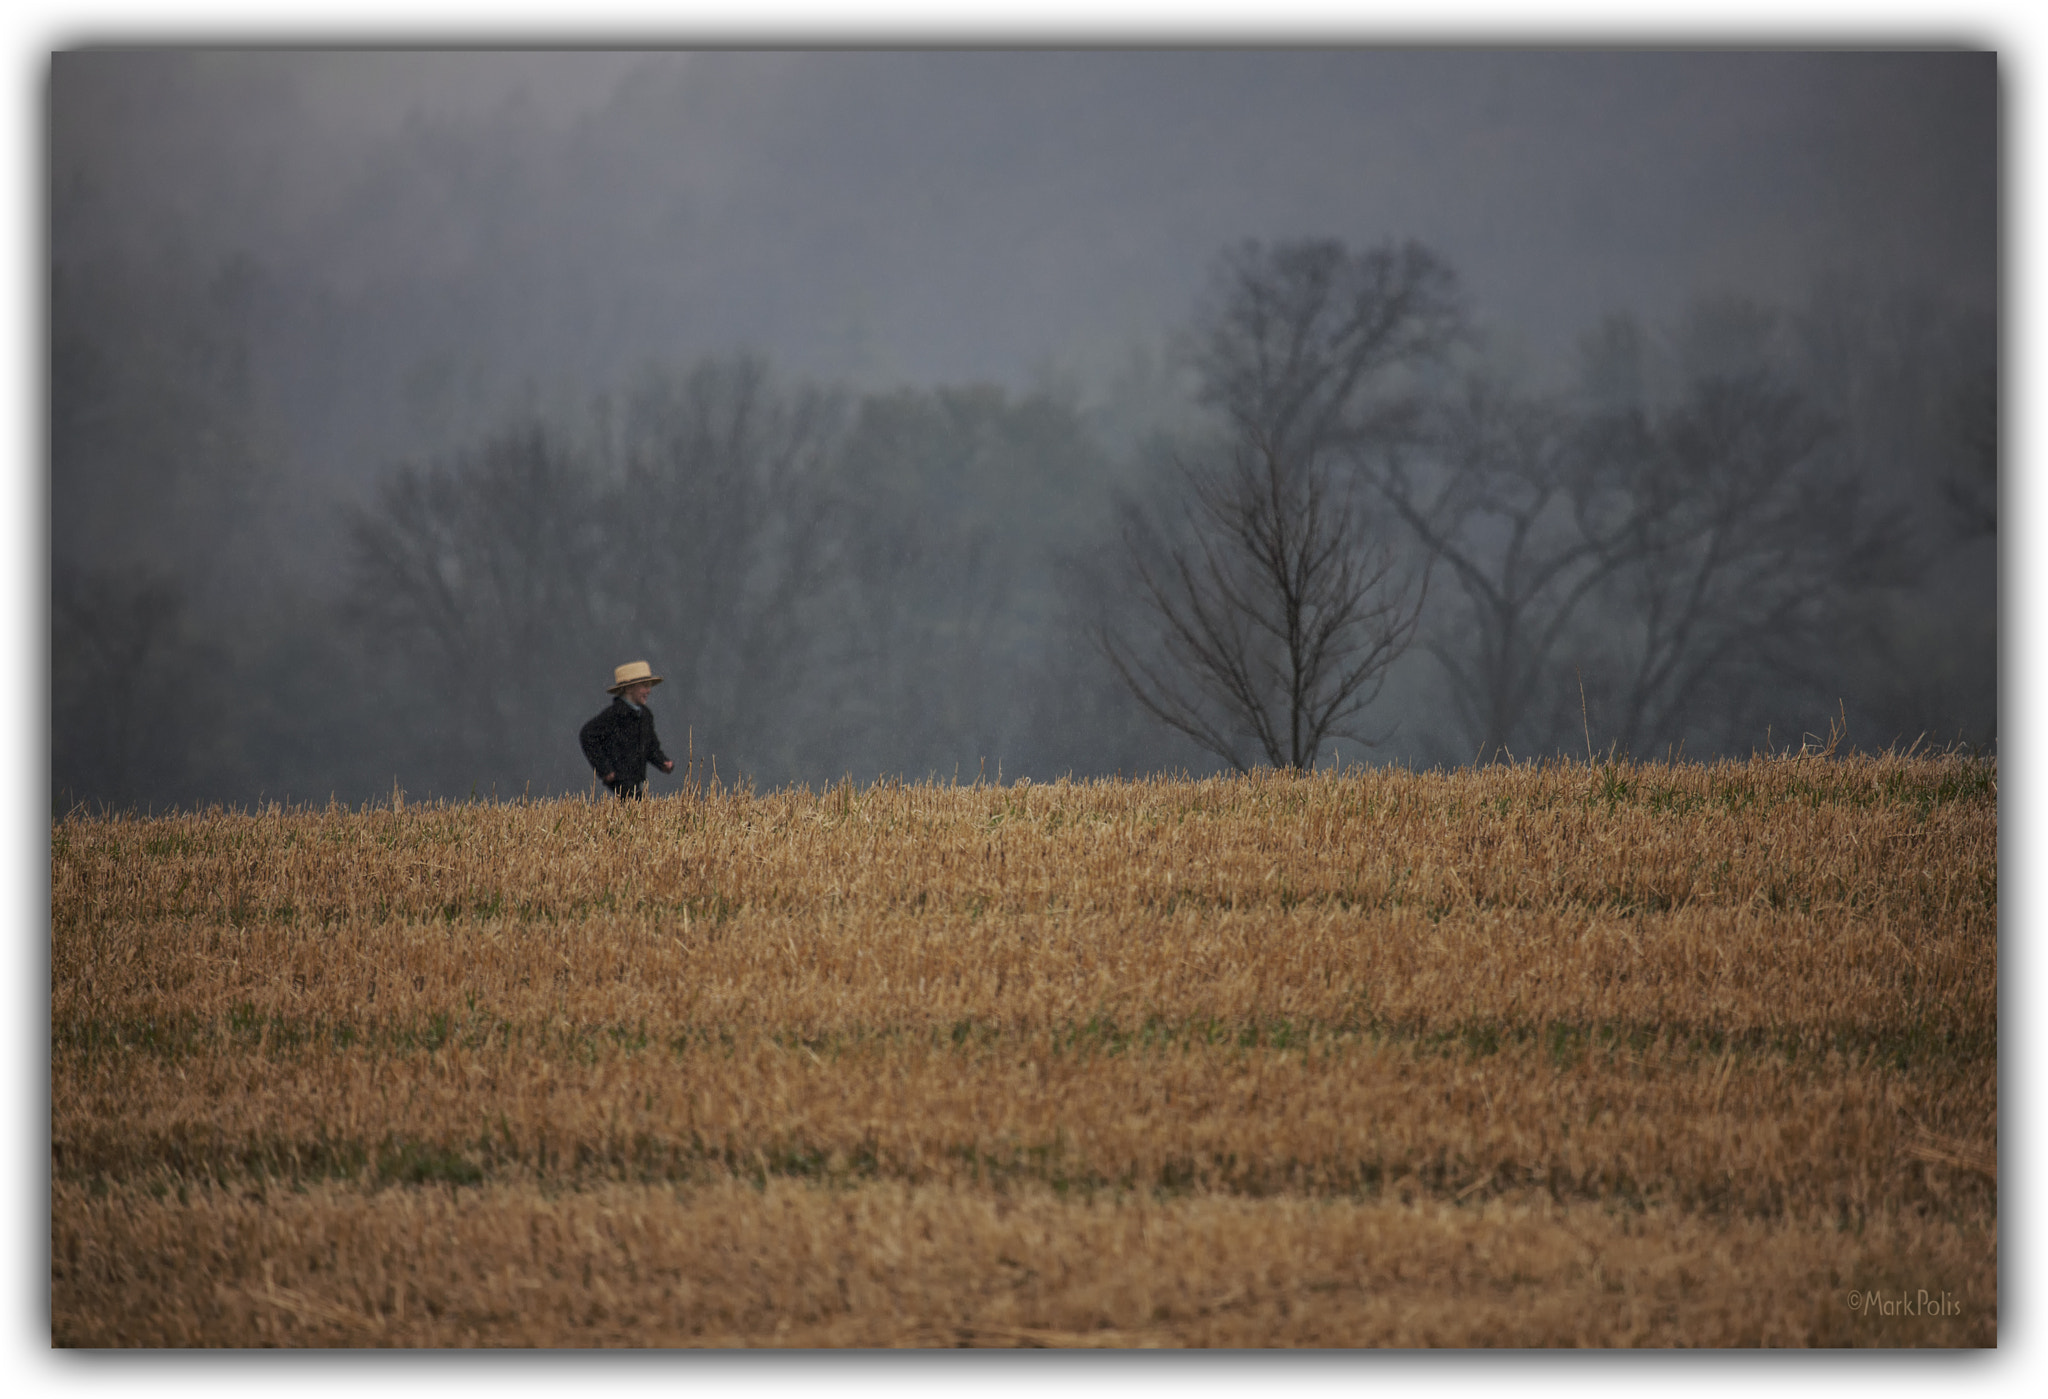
x=631 y=673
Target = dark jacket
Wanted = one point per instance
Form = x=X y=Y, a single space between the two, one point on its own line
x=621 y=741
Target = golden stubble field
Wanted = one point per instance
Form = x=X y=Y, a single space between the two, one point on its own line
x=1558 y=1055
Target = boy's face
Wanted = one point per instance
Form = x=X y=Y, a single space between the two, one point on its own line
x=637 y=693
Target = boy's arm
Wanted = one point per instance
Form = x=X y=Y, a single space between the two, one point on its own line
x=593 y=738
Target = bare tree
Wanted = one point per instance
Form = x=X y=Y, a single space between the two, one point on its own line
x=488 y=572
x=1692 y=552
x=1278 y=614
x=1736 y=536
x=719 y=522
x=1277 y=600
x=138 y=693
x=948 y=506
x=515 y=575
x=1303 y=343
x=1503 y=503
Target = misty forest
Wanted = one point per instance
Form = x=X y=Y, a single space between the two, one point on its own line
x=1025 y=415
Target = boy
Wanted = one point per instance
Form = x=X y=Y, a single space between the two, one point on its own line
x=620 y=742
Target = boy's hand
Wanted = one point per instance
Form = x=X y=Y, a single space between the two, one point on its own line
x=609 y=777
x=669 y=766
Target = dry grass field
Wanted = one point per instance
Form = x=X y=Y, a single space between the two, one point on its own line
x=1559 y=1055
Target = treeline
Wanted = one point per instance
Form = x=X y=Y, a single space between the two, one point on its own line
x=1706 y=537
x=826 y=587
x=1717 y=536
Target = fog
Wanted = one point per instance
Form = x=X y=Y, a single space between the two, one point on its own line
x=396 y=397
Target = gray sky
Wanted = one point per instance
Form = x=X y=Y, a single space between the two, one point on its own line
x=478 y=219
